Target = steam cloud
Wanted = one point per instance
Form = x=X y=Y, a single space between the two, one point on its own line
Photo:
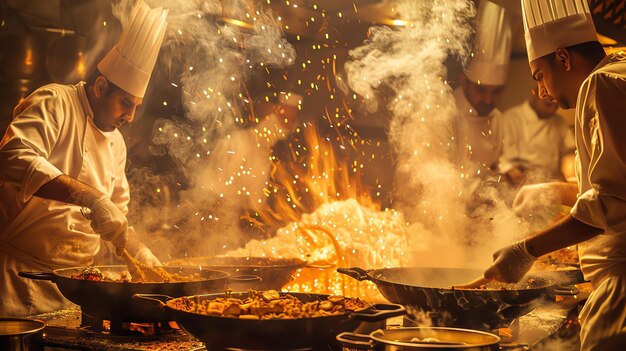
x=432 y=194
x=210 y=61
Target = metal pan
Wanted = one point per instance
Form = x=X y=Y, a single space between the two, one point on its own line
x=219 y=332
x=430 y=290
x=274 y=272
x=406 y=339
x=21 y=334
x=113 y=300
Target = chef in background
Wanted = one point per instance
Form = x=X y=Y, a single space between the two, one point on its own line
x=477 y=128
x=537 y=143
x=572 y=69
x=62 y=151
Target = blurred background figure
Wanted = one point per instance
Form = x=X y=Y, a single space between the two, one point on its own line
x=478 y=133
x=538 y=144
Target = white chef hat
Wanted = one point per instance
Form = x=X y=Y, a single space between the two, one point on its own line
x=551 y=24
x=492 y=46
x=129 y=64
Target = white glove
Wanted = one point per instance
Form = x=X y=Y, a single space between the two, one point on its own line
x=109 y=221
x=144 y=255
x=533 y=198
x=510 y=263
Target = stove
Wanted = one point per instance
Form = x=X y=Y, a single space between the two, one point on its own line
x=72 y=330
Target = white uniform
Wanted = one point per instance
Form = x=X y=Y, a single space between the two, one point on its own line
x=533 y=142
x=479 y=139
x=601 y=173
x=52 y=133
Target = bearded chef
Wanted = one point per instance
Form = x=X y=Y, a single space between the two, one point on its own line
x=572 y=68
x=62 y=151
x=478 y=131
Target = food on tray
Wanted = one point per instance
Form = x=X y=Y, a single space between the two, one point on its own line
x=96 y=274
x=267 y=305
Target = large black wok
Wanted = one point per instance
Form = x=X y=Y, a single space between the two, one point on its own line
x=218 y=332
x=274 y=272
x=430 y=290
x=112 y=300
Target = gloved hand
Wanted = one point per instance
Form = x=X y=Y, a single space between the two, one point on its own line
x=534 y=197
x=109 y=221
x=144 y=255
x=510 y=263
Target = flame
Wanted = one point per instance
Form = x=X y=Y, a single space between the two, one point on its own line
x=322 y=213
x=314 y=175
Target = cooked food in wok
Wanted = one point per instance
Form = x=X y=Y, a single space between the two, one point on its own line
x=530 y=283
x=268 y=304
x=95 y=274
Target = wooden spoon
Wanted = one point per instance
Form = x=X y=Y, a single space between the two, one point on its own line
x=139 y=271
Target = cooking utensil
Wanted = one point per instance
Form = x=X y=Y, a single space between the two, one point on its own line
x=400 y=339
x=113 y=299
x=274 y=272
x=21 y=334
x=138 y=271
x=431 y=290
x=219 y=332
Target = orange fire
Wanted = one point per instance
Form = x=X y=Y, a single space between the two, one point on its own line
x=321 y=212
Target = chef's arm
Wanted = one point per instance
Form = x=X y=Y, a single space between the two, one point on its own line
x=69 y=190
x=567 y=232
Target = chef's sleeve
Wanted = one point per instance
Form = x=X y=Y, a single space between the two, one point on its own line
x=26 y=146
x=604 y=205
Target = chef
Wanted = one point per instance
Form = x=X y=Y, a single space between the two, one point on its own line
x=478 y=132
x=63 y=151
x=537 y=142
x=572 y=68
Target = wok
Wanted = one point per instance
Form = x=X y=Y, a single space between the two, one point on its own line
x=274 y=272
x=112 y=300
x=430 y=290
x=218 y=332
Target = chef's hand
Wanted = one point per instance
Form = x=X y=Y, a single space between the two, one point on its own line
x=109 y=221
x=510 y=263
x=534 y=197
x=144 y=255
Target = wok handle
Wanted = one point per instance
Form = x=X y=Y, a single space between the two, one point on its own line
x=566 y=290
x=380 y=311
x=39 y=276
x=357 y=273
x=354 y=341
x=153 y=298
x=245 y=278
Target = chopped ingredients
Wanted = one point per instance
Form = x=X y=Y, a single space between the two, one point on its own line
x=267 y=305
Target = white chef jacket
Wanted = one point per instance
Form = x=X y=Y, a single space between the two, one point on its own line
x=52 y=133
x=601 y=174
x=533 y=142
x=479 y=139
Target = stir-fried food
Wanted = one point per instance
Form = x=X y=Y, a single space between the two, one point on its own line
x=96 y=274
x=529 y=283
x=268 y=305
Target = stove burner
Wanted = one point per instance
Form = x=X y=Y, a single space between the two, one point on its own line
x=123 y=328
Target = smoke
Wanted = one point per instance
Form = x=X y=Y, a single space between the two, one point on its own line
x=409 y=61
x=210 y=52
